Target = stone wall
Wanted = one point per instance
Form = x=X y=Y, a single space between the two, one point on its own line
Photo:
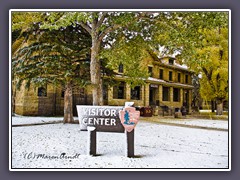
x=19 y=100
x=28 y=103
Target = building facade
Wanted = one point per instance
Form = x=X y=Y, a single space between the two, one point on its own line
x=168 y=87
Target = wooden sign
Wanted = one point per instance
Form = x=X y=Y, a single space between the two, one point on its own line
x=103 y=118
x=107 y=119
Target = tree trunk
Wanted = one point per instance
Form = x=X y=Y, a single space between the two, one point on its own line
x=213 y=105
x=68 y=104
x=219 y=107
x=95 y=71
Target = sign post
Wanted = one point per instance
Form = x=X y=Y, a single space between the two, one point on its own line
x=130 y=143
x=92 y=141
x=108 y=119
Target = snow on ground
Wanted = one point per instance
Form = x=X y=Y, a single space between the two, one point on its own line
x=34 y=120
x=220 y=124
x=156 y=146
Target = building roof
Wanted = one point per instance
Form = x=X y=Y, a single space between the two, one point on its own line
x=160 y=81
x=175 y=65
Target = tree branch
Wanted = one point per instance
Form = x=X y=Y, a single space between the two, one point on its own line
x=217 y=80
x=99 y=23
x=208 y=74
x=116 y=26
x=94 y=21
x=108 y=30
x=209 y=77
x=86 y=27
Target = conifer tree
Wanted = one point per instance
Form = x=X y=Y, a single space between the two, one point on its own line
x=59 y=57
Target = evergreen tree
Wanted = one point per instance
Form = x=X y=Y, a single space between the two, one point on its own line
x=59 y=57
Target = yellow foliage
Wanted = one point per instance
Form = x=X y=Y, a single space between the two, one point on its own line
x=213 y=57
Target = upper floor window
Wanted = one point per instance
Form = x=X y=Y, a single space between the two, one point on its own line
x=186 y=79
x=42 y=92
x=161 y=74
x=179 y=77
x=120 y=68
x=170 y=75
x=170 y=61
x=150 y=71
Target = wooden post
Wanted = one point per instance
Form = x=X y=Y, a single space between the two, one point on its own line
x=92 y=143
x=130 y=143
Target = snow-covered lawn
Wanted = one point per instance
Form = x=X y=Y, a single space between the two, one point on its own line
x=221 y=124
x=218 y=124
x=21 y=120
x=156 y=146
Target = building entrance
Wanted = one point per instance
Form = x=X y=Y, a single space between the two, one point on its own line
x=153 y=94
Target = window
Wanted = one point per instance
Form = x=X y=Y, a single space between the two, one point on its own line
x=150 y=69
x=119 y=91
x=62 y=93
x=170 y=61
x=179 y=77
x=170 y=75
x=120 y=68
x=42 y=92
x=135 y=93
x=165 y=94
x=176 y=95
x=161 y=74
x=186 y=79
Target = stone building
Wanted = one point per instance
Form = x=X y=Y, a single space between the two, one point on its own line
x=168 y=87
x=47 y=101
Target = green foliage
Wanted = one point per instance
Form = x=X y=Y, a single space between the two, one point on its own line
x=123 y=32
x=205 y=50
x=23 y=21
x=131 y=55
x=57 y=20
x=201 y=38
x=57 y=56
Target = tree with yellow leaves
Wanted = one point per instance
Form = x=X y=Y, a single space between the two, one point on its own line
x=205 y=50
